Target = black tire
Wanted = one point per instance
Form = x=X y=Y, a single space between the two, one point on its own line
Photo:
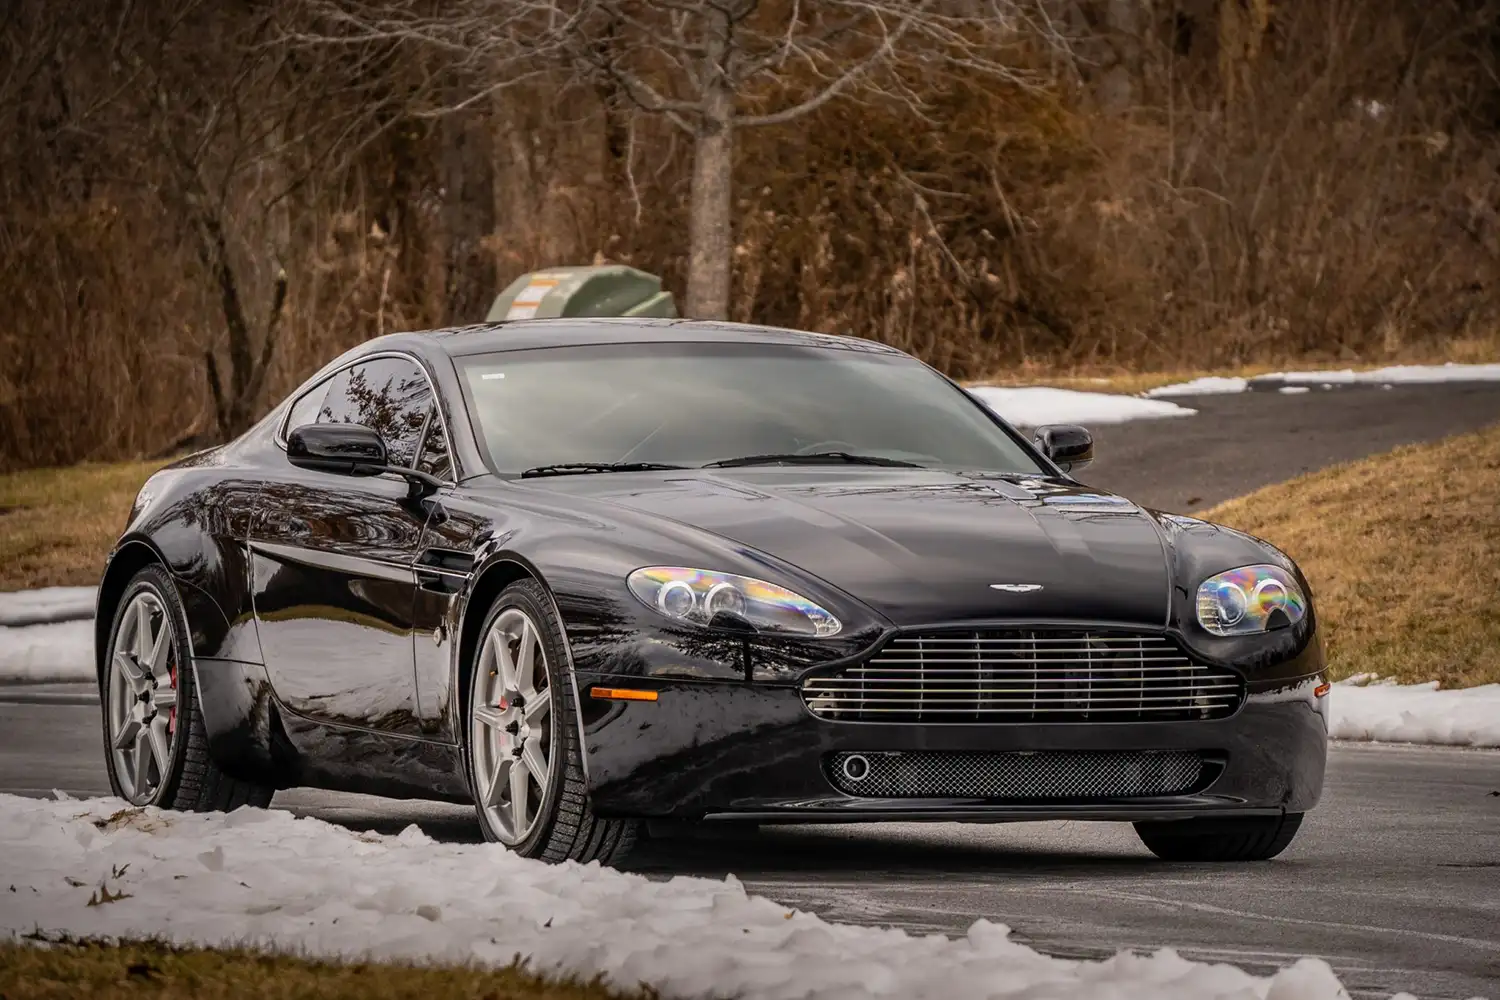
x=1243 y=838
x=566 y=827
x=192 y=782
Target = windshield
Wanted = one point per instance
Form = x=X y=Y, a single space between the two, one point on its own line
x=689 y=405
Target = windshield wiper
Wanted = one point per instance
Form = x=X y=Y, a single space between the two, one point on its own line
x=814 y=458
x=578 y=468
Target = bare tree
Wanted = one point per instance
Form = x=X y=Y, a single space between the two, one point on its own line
x=710 y=67
x=237 y=131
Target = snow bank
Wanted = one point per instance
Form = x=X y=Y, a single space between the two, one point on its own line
x=1035 y=406
x=47 y=604
x=263 y=877
x=56 y=651
x=1387 y=712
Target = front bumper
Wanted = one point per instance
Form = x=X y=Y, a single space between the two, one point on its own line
x=722 y=750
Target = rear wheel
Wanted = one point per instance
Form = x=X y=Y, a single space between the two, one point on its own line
x=524 y=759
x=1240 y=838
x=155 y=743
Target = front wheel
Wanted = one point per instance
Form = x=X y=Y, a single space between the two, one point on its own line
x=155 y=742
x=1240 y=838
x=523 y=755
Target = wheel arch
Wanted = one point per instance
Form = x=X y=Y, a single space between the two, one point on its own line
x=488 y=585
x=128 y=559
x=500 y=572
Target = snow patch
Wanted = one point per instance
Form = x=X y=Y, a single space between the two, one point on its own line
x=47 y=604
x=1397 y=374
x=54 y=651
x=1387 y=712
x=263 y=877
x=1209 y=385
x=1033 y=406
x=1384 y=377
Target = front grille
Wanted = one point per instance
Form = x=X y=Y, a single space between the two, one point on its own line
x=1016 y=777
x=1013 y=675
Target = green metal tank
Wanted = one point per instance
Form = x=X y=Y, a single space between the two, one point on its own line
x=605 y=290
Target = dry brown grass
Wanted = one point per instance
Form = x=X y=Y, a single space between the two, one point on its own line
x=152 y=970
x=1111 y=380
x=56 y=525
x=1403 y=552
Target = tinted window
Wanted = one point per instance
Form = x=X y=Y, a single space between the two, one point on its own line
x=689 y=404
x=305 y=410
x=390 y=395
x=434 y=458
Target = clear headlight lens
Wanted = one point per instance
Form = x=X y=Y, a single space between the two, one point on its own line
x=696 y=595
x=1250 y=599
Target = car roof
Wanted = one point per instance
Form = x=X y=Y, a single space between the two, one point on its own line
x=521 y=335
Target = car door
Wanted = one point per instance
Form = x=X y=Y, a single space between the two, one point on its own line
x=333 y=554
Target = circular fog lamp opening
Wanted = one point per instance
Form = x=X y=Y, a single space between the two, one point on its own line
x=856 y=767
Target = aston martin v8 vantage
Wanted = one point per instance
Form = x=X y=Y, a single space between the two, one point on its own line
x=587 y=574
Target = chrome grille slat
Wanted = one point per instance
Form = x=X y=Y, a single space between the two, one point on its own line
x=1009 y=675
x=1154 y=642
x=1051 y=656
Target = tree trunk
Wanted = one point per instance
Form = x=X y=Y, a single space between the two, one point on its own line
x=468 y=174
x=1117 y=89
x=710 y=235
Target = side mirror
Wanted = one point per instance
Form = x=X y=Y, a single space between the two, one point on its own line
x=1071 y=447
x=346 y=449
x=352 y=450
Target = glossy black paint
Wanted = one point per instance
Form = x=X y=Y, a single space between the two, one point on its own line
x=334 y=616
x=351 y=449
x=1068 y=445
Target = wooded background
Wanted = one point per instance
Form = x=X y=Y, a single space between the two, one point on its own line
x=201 y=202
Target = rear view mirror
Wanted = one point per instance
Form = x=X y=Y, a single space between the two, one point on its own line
x=346 y=449
x=1069 y=446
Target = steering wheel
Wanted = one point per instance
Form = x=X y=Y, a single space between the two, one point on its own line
x=825 y=446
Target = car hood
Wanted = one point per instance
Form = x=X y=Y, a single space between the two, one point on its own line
x=924 y=547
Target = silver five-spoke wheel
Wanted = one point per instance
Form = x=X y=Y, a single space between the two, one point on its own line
x=143 y=698
x=511 y=730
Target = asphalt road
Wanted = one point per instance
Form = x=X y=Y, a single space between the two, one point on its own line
x=1242 y=441
x=1395 y=879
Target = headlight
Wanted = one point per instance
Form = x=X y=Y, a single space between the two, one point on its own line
x=1250 y=599
x=696 y=595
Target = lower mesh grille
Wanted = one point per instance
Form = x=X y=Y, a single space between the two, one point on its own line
x=1039 y=776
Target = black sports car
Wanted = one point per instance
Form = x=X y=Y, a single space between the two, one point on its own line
x=586 y=573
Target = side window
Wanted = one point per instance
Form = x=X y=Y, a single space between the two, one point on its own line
x=434 y=459
x=388 y=394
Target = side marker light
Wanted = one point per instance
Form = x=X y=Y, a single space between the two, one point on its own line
x=1321 y=690
x=622 y=694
